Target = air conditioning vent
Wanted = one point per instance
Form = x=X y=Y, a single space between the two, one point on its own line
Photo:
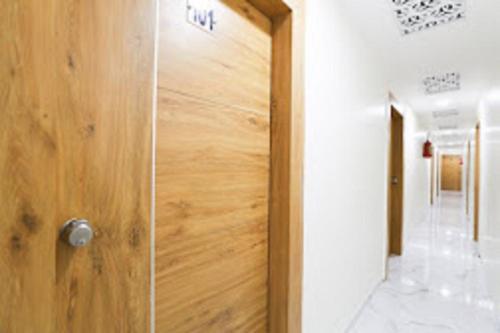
x=447 y=127
x=417 y=15
x=445 y=114
x=436 y=84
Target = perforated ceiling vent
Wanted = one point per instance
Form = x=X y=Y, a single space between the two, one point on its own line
x=417 y=15
x=445 y=114
x=441 y=83
x=447 y=127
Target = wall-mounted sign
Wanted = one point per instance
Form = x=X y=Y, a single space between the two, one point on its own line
x=201 y=13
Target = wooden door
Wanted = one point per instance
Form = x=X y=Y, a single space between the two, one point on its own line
x=451 y=173
x=396 y=188
x=75 y=133
x=213 y=166
x=477 y=180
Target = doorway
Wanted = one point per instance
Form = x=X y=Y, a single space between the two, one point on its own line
x=396 y=183
x=451 y=173
x=228 y=169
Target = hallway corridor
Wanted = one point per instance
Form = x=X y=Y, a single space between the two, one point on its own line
x=250 y=166
x=438 y=285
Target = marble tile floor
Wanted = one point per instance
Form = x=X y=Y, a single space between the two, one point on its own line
x=438 y=285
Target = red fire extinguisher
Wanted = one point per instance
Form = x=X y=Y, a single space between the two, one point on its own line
x=427 y=149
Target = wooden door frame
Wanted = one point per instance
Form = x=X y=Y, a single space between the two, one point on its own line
x=477 y=178
x=287 y=140
x=389 y=180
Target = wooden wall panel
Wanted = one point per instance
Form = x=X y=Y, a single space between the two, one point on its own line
x=285 y=244
x=75 y=102
x=213 y=153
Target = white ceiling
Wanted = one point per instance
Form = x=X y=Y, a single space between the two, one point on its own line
x=469 y=46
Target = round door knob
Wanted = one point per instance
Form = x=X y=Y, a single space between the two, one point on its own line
x=77 y=232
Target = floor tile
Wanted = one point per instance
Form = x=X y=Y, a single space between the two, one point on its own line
x=438 y=285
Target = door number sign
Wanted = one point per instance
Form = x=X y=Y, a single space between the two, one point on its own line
x=201 y=13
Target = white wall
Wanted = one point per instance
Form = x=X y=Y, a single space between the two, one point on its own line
x=436 y=173
x=345 y=170
x=489 y=209
x=470 y=162
x=490 y=170
x=346 y=165
x=417 y=175
x=472 y=175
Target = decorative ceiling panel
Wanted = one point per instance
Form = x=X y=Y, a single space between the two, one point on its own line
x=441 y=83
x=417 y=15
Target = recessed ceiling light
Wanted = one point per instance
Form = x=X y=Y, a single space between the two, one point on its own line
x=417 y=15
x=436 y=84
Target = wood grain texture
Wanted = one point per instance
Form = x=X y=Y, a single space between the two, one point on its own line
x=212 y=171
x=396 y=188
x=286 y=226
x=279 y=270
x=451 y=173
x=75 y=102
x=477 y=180
x=275 y=8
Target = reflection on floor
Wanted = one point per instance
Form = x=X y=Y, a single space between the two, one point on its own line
x=438 y=285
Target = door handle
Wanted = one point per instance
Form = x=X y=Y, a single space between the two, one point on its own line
x=394 y=180
x=77 y=232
